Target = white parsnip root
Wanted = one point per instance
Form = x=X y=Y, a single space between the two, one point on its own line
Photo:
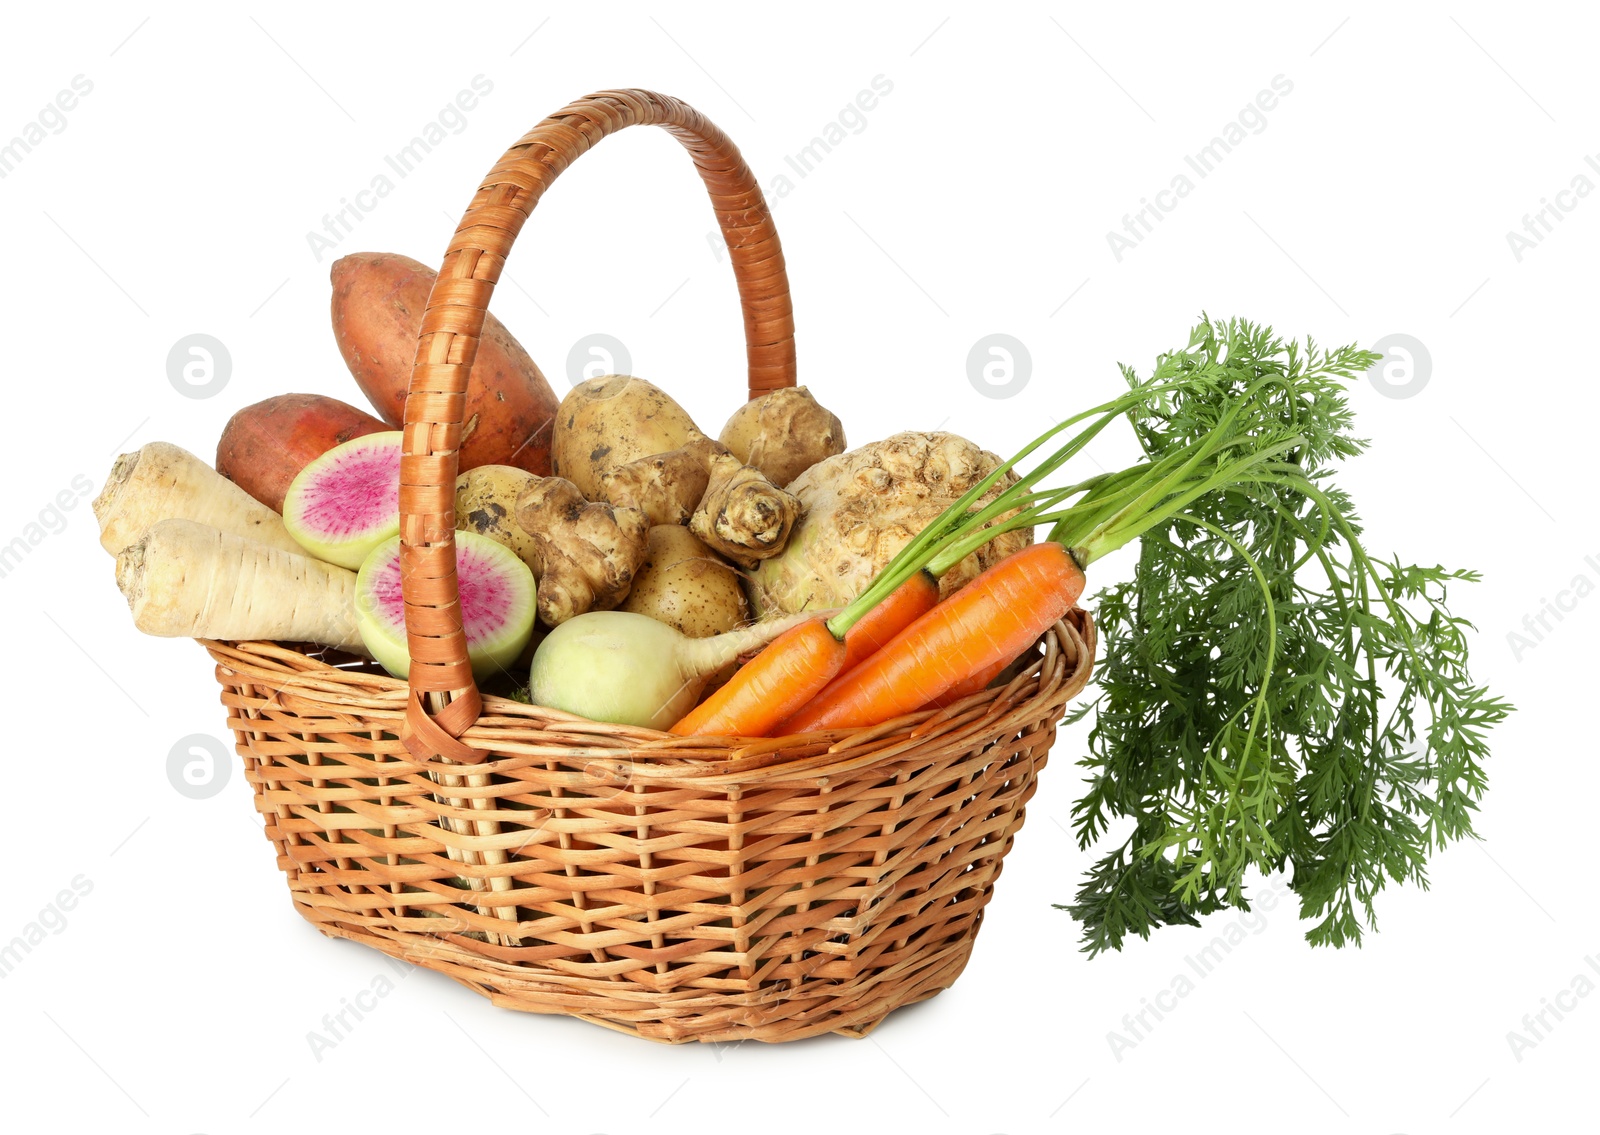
x=163 y=482
x=186 y=579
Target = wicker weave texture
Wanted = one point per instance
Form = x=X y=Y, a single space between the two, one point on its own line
x=788 y=887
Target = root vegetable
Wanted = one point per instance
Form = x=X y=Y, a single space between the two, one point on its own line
x=495 y=593
x=891 y=615
x=607 y=422
x=1014 y=602
x=743 y=515
x=263 y=446
x=666 y=487
x=976 y=681
x=347 y=502
x=378 y=302
x=862 y=507
x=627 y=668
x=486 y=503
x=622 y=440
x=783 y=434
x=187 y=579
x=587 y=552
x=163 y=482
x=681 y=583
x=781 y=680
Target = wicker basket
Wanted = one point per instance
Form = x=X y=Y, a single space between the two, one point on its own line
x=709 y=889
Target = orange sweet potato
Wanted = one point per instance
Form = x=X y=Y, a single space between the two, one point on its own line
x=263 y=446
x=378 y=301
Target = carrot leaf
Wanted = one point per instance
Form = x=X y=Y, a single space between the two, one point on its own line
x=1272 y=697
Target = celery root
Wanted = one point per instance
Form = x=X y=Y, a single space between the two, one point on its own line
x=185 y=579
x=163 y=482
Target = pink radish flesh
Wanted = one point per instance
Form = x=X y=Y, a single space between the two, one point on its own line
x=356 y=490
x=486 y=601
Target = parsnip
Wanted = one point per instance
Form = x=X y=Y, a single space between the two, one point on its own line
x=163 y=482
x=186 y=579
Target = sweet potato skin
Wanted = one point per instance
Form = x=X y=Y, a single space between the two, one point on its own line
x=378 y=302
x=263 y=446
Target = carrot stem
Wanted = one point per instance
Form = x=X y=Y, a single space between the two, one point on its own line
x=960 y=517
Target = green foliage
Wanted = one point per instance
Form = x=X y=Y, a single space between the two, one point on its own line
x=1270 y=695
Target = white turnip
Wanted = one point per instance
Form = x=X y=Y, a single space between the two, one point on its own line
x=629 y=669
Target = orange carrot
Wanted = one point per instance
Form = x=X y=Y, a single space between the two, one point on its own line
x=994 y=617
x=955 y=693
x=979 y=681
x=893 y=614
x=898 y=610
x=968 y=686
x=790 y=672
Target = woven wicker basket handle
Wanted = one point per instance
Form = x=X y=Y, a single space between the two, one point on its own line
x=444 y=700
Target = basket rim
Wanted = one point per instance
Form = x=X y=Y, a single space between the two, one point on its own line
x=534 y=732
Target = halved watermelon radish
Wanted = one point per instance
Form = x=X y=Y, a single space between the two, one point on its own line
x=497 y=605
x=347 y=502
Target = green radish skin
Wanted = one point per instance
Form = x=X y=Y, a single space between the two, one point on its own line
x=347 y=502
x=629 y=669
x=497 y=605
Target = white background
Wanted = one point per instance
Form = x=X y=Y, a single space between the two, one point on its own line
x=977 y=199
